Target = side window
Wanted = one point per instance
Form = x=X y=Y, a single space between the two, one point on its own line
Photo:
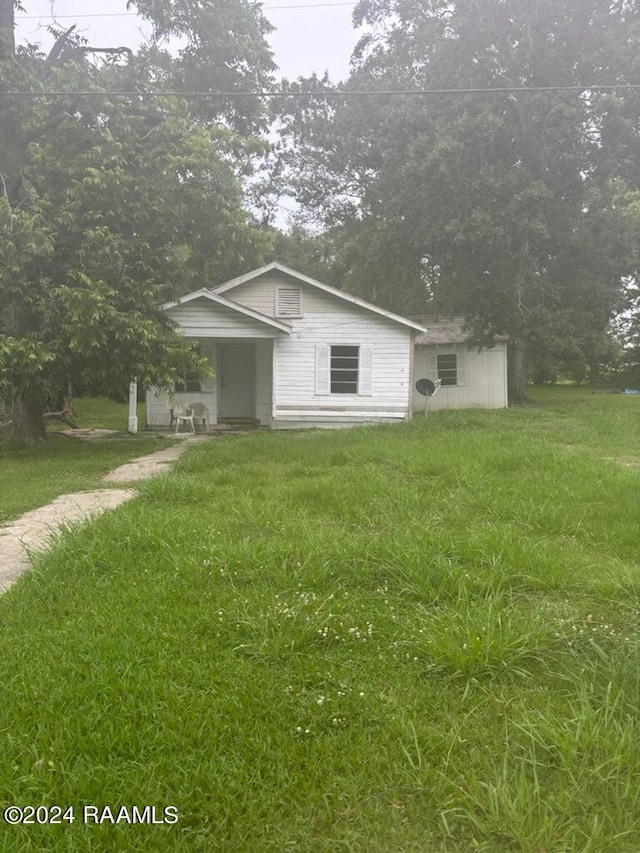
x=190 y=383
x=344 y=369
x=448 y=369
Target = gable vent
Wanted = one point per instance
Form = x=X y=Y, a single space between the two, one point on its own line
x=288 y=302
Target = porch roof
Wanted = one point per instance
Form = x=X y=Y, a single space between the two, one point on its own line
x=203 y=293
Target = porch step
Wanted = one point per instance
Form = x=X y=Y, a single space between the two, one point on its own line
x=248 y=422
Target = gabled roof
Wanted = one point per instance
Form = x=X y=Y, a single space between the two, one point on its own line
x=203 y=293
x=305 y=279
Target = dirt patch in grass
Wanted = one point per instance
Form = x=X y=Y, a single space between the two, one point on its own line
x=625 y=461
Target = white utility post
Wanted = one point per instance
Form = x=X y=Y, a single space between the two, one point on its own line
x=133 y=403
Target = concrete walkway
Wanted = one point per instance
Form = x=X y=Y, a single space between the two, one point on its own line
x=152 y=465
x=33 y=530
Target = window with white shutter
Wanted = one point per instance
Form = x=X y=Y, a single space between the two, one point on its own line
x=462 y=375
x=322 y=368
x=365 y=378
x=288 y=302
x=344 y=369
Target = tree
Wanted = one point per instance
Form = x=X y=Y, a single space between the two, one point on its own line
x=111 y=206
x=628 y=334
x=223 y=49
x=508 y=206
x=310 y=253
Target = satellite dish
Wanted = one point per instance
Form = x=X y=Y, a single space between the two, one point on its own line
x=425 y=387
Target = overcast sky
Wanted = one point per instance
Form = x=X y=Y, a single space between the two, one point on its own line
x=311 y=35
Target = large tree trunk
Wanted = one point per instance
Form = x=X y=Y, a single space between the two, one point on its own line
x=7 y=35
x=27 y=423
x=516 y=372
x=12 y=142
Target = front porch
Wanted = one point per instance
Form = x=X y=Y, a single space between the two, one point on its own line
x=239 y=395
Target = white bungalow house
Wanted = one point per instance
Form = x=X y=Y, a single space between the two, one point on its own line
x=470 y=378
x=289 y=351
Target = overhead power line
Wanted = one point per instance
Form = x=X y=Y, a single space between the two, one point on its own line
x=333 y=94
x=134 y=15
x=84 y=15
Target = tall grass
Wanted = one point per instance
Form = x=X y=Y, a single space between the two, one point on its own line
x=33 y=477
x=411 y=638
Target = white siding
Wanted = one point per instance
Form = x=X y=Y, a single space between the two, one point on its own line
x=299 y=399
x=203 y=319
x=264 y=381
x=482 y=376
x=157 y=411
x=261 y=293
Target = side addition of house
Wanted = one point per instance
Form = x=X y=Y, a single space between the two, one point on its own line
x=470 y=378
x=289 y=351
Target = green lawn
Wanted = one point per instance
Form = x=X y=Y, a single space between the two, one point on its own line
x=398 y=639
x=103 y=413
x=33 y=477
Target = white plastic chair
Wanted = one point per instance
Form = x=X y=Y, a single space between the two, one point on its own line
x=171 y=405
x=183 y=415
x=199 y=412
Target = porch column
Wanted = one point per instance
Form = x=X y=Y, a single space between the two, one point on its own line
x=132 y=428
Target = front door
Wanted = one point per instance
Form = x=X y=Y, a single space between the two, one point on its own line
x=236 y=381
